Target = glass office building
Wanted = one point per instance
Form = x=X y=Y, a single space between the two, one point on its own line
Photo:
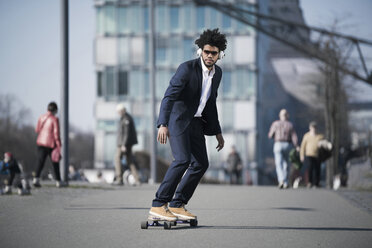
x=122 y=71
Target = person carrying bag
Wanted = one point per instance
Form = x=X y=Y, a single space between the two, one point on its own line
x=48 y=144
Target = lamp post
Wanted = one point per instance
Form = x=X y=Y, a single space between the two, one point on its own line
x=64 y=90
x=152 y=91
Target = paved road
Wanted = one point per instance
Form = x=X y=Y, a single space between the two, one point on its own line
x=229 y=216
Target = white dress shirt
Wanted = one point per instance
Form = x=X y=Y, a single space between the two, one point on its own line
x=206 y=88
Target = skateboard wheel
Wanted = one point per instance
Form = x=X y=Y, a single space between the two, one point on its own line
x=144 y=225
x=167 y=225
x=193 y=222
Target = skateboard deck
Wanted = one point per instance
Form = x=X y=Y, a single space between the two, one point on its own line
x=154 y=221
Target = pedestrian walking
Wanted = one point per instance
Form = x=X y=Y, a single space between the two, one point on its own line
x=285 y=138
x=188 y=111
x=309 y=154
x=234 y=166
x=296 y=166
x=126 y=138
x=48 y=141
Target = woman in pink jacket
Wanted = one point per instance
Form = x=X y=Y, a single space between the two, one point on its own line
x=48 y=139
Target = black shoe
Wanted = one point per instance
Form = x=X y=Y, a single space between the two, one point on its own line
x=117 y=183
x=36 y=182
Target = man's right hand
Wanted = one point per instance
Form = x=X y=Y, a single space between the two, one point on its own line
x=123 y=149
x=162 y=135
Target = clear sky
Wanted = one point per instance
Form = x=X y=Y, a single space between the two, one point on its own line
x=30 y=56
x=30 y=49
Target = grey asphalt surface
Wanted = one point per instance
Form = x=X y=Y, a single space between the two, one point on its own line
x=229 y=216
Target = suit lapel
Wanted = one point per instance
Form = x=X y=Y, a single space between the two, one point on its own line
x=215 y=79
x=199 y=76
x=213 y=90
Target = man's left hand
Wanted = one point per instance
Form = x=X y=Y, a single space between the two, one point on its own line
x=221 y=142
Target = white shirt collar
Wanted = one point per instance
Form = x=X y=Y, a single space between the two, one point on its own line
x=205 y=69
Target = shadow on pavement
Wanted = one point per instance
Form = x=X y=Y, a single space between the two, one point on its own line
x=295 y=209
x=104 y=208
x=279 y=228
x=98 y=207
x=258 y=209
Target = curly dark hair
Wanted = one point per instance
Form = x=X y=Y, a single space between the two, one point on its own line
x=212 y=38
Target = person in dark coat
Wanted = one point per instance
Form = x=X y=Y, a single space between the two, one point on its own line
x=188 y=111
x=126 y=138
x=234 y=166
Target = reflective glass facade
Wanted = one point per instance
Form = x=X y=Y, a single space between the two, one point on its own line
x=122 y=62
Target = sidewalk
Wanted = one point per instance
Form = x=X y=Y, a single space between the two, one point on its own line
x=229 y=216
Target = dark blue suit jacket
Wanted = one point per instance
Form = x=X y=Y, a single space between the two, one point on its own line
x=182 y=97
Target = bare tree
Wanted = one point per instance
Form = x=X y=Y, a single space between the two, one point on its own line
x=335 y=101
x=81 y=148
x=18 y=137
x=331 y=91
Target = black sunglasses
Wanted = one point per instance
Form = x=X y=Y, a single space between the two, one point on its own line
x=214 y=53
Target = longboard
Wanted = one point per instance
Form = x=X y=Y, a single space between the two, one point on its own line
x=154 y=221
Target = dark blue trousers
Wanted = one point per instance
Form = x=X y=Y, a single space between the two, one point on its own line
x=188 y=167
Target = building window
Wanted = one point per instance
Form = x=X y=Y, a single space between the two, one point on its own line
x=123 y=26
x=252 y=82
x=213 y=18
x=161 y=18
x=99 y=84
x=135 y=84
x=109 y=20
x=109 y=147
x=139 y=123
x=188 y=49
x=245 y=84
x=161 y=50
x=187 y=18
x=100 y=20
x=146 y=85
x=200 y=18
x=228 y=115
x=146 y=18
x=137 y=50
x=135 y=20
x=174 y=49
x=162 y=82
x=106 y=51
x=106 y=125
x=106 y=20
x=147 y=51
x=226 y=84
x=174 y=16
x=226 y=22
x=123 y=83
x=244 y=50
x=110 y=81
x=124 y=50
